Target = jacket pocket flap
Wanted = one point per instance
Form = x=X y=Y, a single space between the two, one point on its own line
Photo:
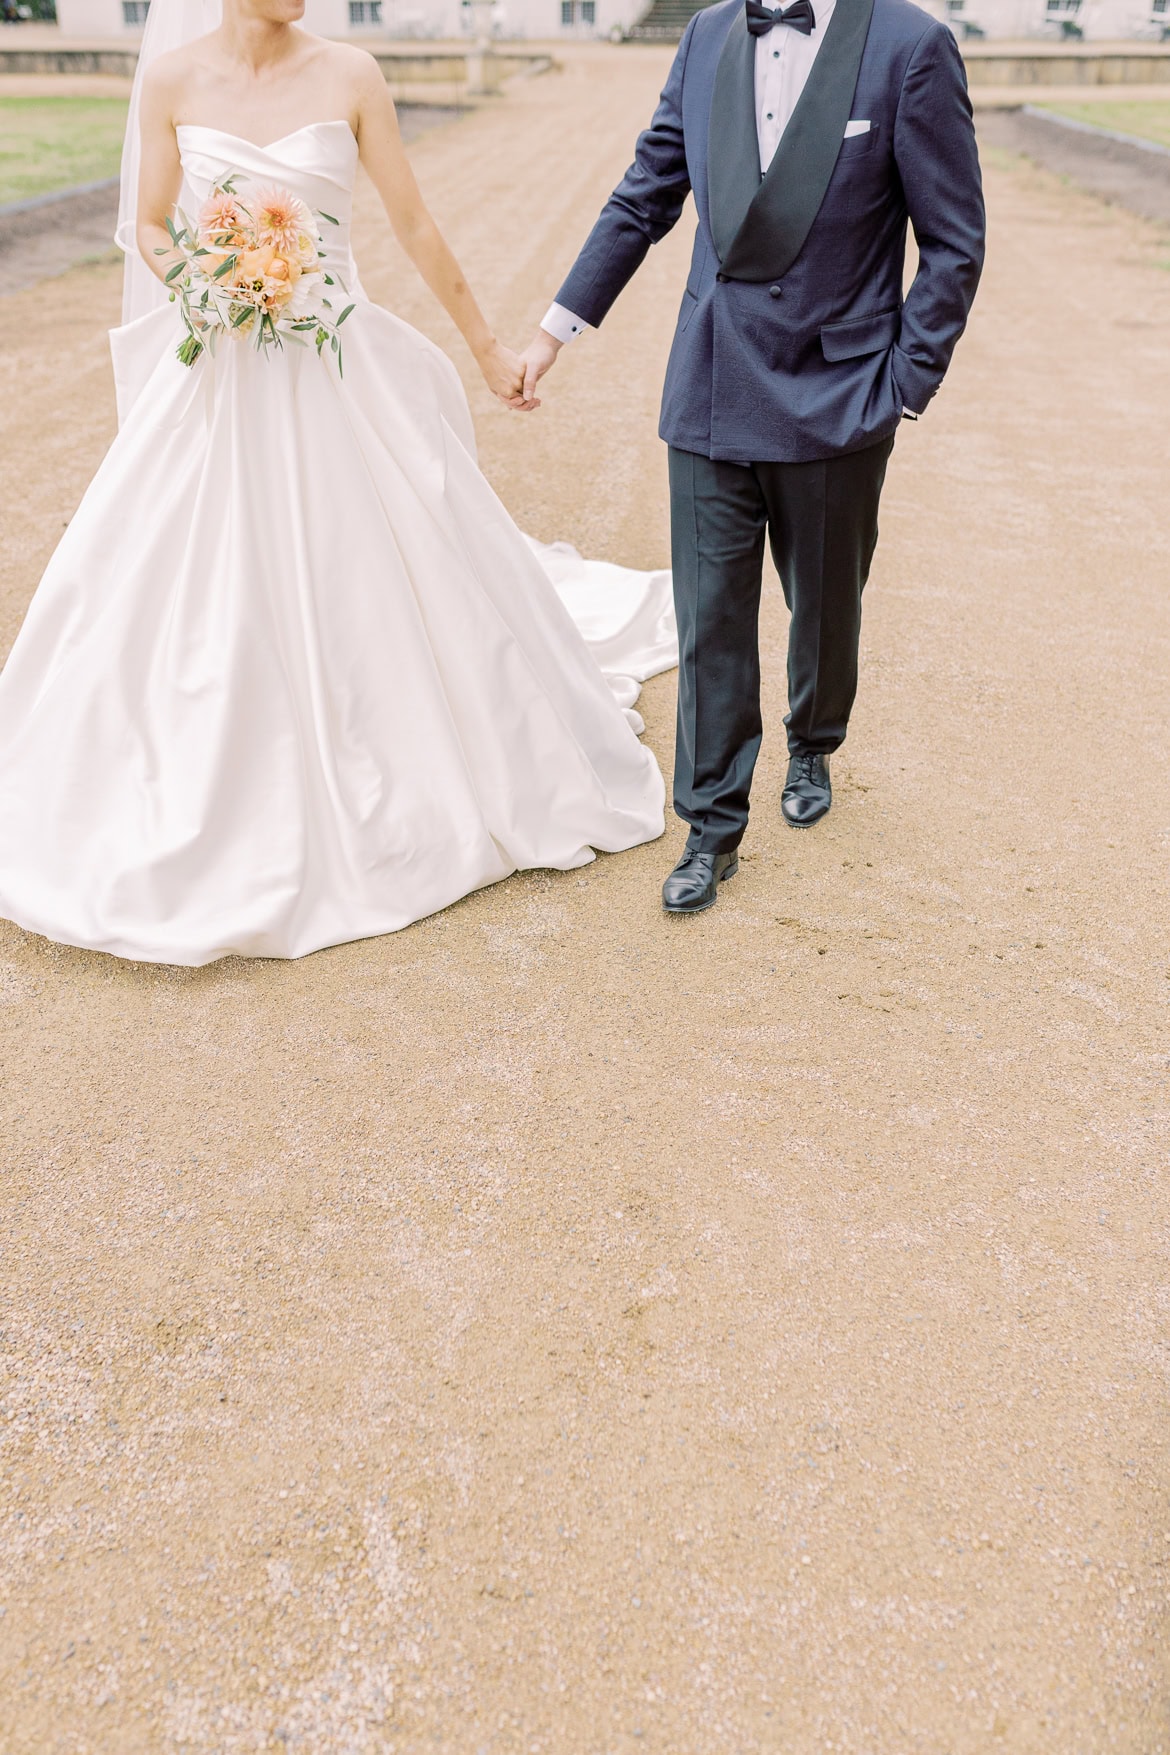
x=859 y=335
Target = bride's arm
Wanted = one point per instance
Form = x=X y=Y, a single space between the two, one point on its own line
x=383 y=155
x=160 y=176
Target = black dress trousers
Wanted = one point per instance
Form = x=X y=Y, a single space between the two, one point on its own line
x=822 y=521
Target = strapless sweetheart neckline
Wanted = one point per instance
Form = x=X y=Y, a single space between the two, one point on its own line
x=271 y=145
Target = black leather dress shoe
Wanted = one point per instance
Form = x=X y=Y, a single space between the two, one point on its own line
x=807 y=793
x=694 y=883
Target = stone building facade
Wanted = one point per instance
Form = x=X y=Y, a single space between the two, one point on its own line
x=553 y=20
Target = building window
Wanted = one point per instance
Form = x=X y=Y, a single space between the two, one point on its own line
x=365 y=11
x=588 y=11
x=568 y=12
x=135 y=11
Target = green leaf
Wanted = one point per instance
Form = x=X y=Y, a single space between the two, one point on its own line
x=172 y=230
x=242 y=315
x=330 y=218
x=344 y=315
x=225 y=266
x=174 y=273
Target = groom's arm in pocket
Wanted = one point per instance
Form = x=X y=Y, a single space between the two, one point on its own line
x=938 y=163
x=642 y=209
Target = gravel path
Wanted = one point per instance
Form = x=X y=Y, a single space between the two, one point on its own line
x=561 y=1329
x=40 y=240
x=1129 y=175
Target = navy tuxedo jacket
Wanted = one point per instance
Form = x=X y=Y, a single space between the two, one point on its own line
x=793 y=341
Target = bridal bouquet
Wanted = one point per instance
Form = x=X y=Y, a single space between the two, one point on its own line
x=251 y=266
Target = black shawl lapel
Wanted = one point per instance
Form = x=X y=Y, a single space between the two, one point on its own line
x=771 y=234
x=733 y=145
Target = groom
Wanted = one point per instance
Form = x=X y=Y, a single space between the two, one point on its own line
x=809 y=134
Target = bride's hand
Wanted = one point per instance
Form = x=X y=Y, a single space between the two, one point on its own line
x=503 y=373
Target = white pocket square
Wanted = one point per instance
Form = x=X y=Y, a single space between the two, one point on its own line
x=854 y=128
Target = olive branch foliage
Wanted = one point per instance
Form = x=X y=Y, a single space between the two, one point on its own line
x=202 y=317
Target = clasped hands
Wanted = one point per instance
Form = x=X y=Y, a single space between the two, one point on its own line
x=513 y=377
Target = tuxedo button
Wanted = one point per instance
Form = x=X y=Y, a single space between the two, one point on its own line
x=777 y=292
x=723 y=279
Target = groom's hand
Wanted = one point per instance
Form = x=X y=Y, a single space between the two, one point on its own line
x=538 y=356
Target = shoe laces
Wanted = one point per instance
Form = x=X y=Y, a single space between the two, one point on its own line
x=806 y=765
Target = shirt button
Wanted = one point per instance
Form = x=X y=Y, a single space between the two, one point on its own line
x=722 y=279
x=776 y=291
x=769 y=115
x=775 y=54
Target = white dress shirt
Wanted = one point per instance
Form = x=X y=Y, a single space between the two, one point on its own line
x=784 y=59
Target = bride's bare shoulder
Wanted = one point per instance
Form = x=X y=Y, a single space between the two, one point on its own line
x=348 y=64
x=172 y=72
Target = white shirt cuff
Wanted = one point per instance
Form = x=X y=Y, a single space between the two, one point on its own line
x=562 y=325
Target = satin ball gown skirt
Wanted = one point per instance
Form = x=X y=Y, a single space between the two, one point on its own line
x=293 y=676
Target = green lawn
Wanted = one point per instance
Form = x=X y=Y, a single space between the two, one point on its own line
x=1149 y=120
x=53 y=143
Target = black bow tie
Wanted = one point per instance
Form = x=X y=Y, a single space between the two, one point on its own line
x=799 y=15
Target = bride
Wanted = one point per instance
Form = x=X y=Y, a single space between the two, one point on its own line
x=293 y=676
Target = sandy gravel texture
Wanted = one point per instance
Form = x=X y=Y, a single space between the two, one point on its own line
x=1132 y=176
x=564 y=1330
x=41 y=242
x=64 y=85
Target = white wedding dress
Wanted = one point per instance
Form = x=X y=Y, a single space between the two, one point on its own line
x=293 y=676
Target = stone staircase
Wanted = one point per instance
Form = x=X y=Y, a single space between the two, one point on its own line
x=666 y=20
